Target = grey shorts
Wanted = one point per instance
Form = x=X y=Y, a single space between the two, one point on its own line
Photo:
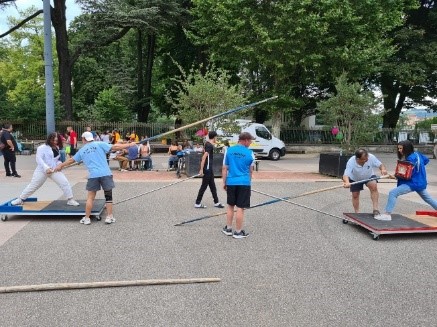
x=360 y=186
x=95 y=184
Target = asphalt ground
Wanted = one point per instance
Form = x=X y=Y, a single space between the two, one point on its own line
x=298 y=267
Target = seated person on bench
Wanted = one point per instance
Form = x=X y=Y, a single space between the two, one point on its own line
x=121 y=158
x=133 y=155
x=172 y=151
x=145 y=156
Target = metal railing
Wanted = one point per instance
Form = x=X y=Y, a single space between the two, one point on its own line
x=290 y=135
x=38 y=130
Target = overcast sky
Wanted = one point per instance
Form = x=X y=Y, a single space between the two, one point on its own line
x=72 y=11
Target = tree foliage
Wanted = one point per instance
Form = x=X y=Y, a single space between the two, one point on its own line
x=296 y=48
x=22 y=80
x=351 y=110
x=202 y=95
x=408 y=76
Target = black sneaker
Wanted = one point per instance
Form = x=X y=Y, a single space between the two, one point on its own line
x=16 y=175
x=227 y=231
x=219 y=205
x=241 y=234
x=8 y=175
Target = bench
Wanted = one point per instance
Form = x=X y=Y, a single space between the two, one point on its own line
x=139 y=162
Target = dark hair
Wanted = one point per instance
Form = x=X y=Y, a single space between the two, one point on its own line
x=212 y=134
x=360 y=153
x=51 y=137
x=407 y=149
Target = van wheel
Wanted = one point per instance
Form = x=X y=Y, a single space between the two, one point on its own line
x=274 y=154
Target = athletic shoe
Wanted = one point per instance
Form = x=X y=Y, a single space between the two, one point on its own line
x=200 y=205
x=123 y=170
x=383 y=216
x=109 y=220
x=8 y=175
x=73 y=202
x=219 y=205
x=85 y=221
x=16 y=175
x=17 y=202
x=241 y=234
x=375 y=213
x=227 y=231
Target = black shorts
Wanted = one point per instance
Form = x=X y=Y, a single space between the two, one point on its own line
x=105 y=182
x=360 y=186
x=238 y=195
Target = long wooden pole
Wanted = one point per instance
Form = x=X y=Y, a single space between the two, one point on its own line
x=224 y=212
x=246 y=106
x=340 y=186
x=296 y=204
x=281 y=199
x=124 y=283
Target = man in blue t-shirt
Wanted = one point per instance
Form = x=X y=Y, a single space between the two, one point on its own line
x=237 y=175
x=93 y=155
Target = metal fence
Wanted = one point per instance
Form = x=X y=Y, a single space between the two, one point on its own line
x=381 y=137
x=38 y=131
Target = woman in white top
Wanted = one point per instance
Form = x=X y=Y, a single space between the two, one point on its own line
x=47 y=158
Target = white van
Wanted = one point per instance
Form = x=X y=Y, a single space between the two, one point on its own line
x=265 y=144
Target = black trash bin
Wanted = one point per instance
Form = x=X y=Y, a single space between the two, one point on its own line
x=333 y=164
x=192 y=163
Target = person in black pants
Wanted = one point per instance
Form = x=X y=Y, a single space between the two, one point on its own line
x=207 y=173
x=9 y=150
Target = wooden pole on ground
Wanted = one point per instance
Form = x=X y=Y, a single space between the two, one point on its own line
x=340 y=186
x=125 y=283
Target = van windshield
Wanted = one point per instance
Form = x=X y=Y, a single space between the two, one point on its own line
x=261 y=131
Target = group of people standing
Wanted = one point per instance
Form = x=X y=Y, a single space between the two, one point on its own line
x=237 y=169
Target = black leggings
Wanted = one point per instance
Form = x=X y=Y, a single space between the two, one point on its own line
x=207 y=180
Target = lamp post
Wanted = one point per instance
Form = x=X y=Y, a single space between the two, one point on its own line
x=48 y=64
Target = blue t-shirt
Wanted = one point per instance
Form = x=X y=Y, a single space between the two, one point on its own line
x=239 y=160
x=93 y=155
x=418 y=177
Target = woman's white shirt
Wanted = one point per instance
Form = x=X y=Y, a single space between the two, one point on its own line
x=45 y=158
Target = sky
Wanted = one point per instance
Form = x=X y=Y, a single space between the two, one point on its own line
x=72 y=11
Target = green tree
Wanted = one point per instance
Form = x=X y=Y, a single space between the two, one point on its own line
x=202 y=95
x=108 y=107
x=351 y=110
x=149 y=18
x=296 y=48
x=409 y=74
x=22 y=79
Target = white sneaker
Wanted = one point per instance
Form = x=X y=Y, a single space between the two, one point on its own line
x=383 y=216
x=73 y=202
x=17 y=202
x=109 y=220
x=85 y=221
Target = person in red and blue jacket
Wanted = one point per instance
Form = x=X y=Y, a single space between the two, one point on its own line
x=417 y=183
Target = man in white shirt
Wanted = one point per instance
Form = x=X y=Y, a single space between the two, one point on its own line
x=360 y=167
